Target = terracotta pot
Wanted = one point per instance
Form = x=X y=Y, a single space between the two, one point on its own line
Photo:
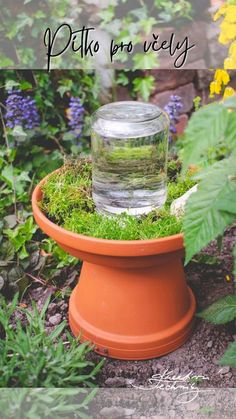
x=132 y=300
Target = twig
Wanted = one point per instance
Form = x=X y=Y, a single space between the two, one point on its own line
x=58 y=144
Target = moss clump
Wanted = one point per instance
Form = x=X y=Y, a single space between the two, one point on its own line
x=67 y=200
x=68 y=189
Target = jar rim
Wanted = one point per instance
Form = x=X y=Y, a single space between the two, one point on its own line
x=129 y=111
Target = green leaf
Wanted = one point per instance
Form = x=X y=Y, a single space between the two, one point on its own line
x=148 y=24
x=228 y=204
x=203 y=221
x=62 y=90
x=145 y=61
x=58 y=330
x=206 y=129
x=19 y=134
x=25 y=85
x=122 y=79
x=221 y=312
x=230 y=134
x=144 y=86
x=229 y=357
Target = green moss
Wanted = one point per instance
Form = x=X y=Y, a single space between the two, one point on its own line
x=68 y=189
x=178 y=188
x=67 y=200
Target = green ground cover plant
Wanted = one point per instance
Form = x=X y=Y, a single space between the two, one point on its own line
x=32 y=357
x=213 y=207
x=67 y=200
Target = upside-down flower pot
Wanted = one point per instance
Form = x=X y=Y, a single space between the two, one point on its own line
x=132 y=300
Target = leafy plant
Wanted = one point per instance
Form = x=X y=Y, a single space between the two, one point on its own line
x=26 y=157
x=30 y=357
x=144 y=86
x=207 y=212
x=213 y=207
x=20 y=235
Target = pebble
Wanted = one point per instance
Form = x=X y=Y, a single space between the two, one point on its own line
x=52 y=308
x=210 y=344
x=224 y=370
x=115 y=382
x=55 y=320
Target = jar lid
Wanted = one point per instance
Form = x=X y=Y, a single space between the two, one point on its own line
x=129 y=119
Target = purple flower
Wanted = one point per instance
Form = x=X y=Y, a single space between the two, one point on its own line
x=21 y=111
x=76 y=116
x=173 y=109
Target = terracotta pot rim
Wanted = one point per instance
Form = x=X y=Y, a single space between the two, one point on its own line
x=102 y=246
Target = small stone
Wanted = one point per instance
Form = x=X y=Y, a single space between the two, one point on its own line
x=210 y=344
x=55 y=320
x=52 y=308
x=224 y=370
x=115 y=382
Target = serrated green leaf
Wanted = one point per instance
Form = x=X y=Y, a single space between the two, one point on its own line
x=206 y=129
x=62 y=90
x=229 y=357
x=203 y=221
x=144 y=86
x=221 y=312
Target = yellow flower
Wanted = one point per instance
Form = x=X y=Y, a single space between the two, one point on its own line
x=223 y=39
x=222 y=76
x=229 y=30
x=230 y=63
x=232 y=51
x=221 y=12
x=215 y=88
x=229 y=91
x=230 y=15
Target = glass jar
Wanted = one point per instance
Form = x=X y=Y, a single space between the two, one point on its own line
x=129 y=153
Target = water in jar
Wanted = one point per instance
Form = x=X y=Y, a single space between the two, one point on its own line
x=129 y=152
